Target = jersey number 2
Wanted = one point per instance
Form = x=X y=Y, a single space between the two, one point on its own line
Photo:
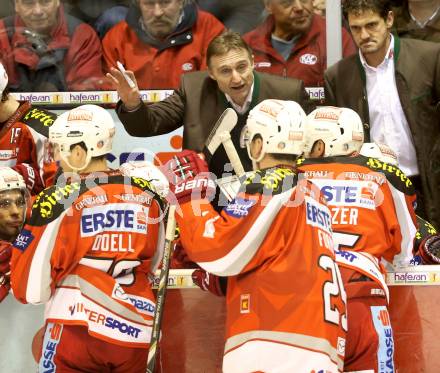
x=332 y=289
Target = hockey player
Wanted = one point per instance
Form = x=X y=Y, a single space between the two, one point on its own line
x=88 y=251
x=285 y=305
x=13 y=201
x=373 y=222
x=23 y=136
x=427 y=242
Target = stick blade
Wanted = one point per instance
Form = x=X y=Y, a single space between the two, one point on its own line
x=225 y=123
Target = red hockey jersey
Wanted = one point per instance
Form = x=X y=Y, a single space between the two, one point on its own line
x=88 y=251
x=372 y=205
x=285 y=305
x=23 y=139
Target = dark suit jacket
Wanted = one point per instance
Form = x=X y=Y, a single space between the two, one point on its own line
x=197 y=105
x=417 y=73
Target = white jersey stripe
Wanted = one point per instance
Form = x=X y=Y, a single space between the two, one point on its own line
x=301 y=341
x=407 y=228
x=272 y=357
x=39 y=141
x=234 y=262
x=38 y=285
x=99 y=297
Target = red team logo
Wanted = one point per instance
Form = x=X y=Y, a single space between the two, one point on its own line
x=384 y=318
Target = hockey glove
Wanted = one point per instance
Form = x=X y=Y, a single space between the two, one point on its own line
x=31 y=177
x=180 y=258
x=429 y=250
x=209 y=282
x=189 y=177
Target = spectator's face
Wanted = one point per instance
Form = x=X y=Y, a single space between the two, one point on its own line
x=160 y=17
x=38 y=15
x=233 y=72
x=292 y=16
x=370 y=31
x=12 y=210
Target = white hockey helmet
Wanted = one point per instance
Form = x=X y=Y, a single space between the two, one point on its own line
x=11 y=179
x=340 y=129
x=280 y=125
x=90 y=124
x=3 y=78
x=380 y=151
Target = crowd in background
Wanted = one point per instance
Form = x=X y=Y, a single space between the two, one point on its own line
x=53 y=45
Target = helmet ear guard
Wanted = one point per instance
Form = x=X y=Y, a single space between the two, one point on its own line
x=340 y=129
x=88 y=124
x=280 y=124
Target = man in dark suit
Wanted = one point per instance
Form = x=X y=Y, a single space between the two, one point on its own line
x=394 y=85
x=202 y=96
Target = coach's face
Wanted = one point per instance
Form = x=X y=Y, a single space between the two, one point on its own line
x=233 y=72
x=371 y=32
x=38 y=15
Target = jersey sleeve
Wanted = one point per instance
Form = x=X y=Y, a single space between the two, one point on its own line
x=43 y=251
x=227 y=244
x=34 y=142
x=402 y=226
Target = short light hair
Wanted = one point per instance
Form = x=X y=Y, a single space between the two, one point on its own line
x=225 y=42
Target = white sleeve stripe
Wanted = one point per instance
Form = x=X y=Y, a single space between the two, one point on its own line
x=407 y=228
x=38 y=284
x=234 y=262
x=39 y=140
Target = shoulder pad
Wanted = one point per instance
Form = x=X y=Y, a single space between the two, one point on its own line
x=395 y=176
x=52 y=201
x=39 y=119
x=270 y=181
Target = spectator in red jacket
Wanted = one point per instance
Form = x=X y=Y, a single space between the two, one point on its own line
x=292 y=42
x=160 y=40
x=44 y=49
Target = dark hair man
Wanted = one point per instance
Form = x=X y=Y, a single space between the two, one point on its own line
x=202 y=96
x=394 y=85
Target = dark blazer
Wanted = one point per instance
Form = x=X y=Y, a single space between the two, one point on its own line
x=417 y=72
x=198 y=103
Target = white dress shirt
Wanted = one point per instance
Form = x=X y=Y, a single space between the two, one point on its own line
x=388 y=124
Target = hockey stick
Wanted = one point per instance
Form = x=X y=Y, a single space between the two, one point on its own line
x=225 y=123
x=162 y=288
x=231 y=152
x=221 y=134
